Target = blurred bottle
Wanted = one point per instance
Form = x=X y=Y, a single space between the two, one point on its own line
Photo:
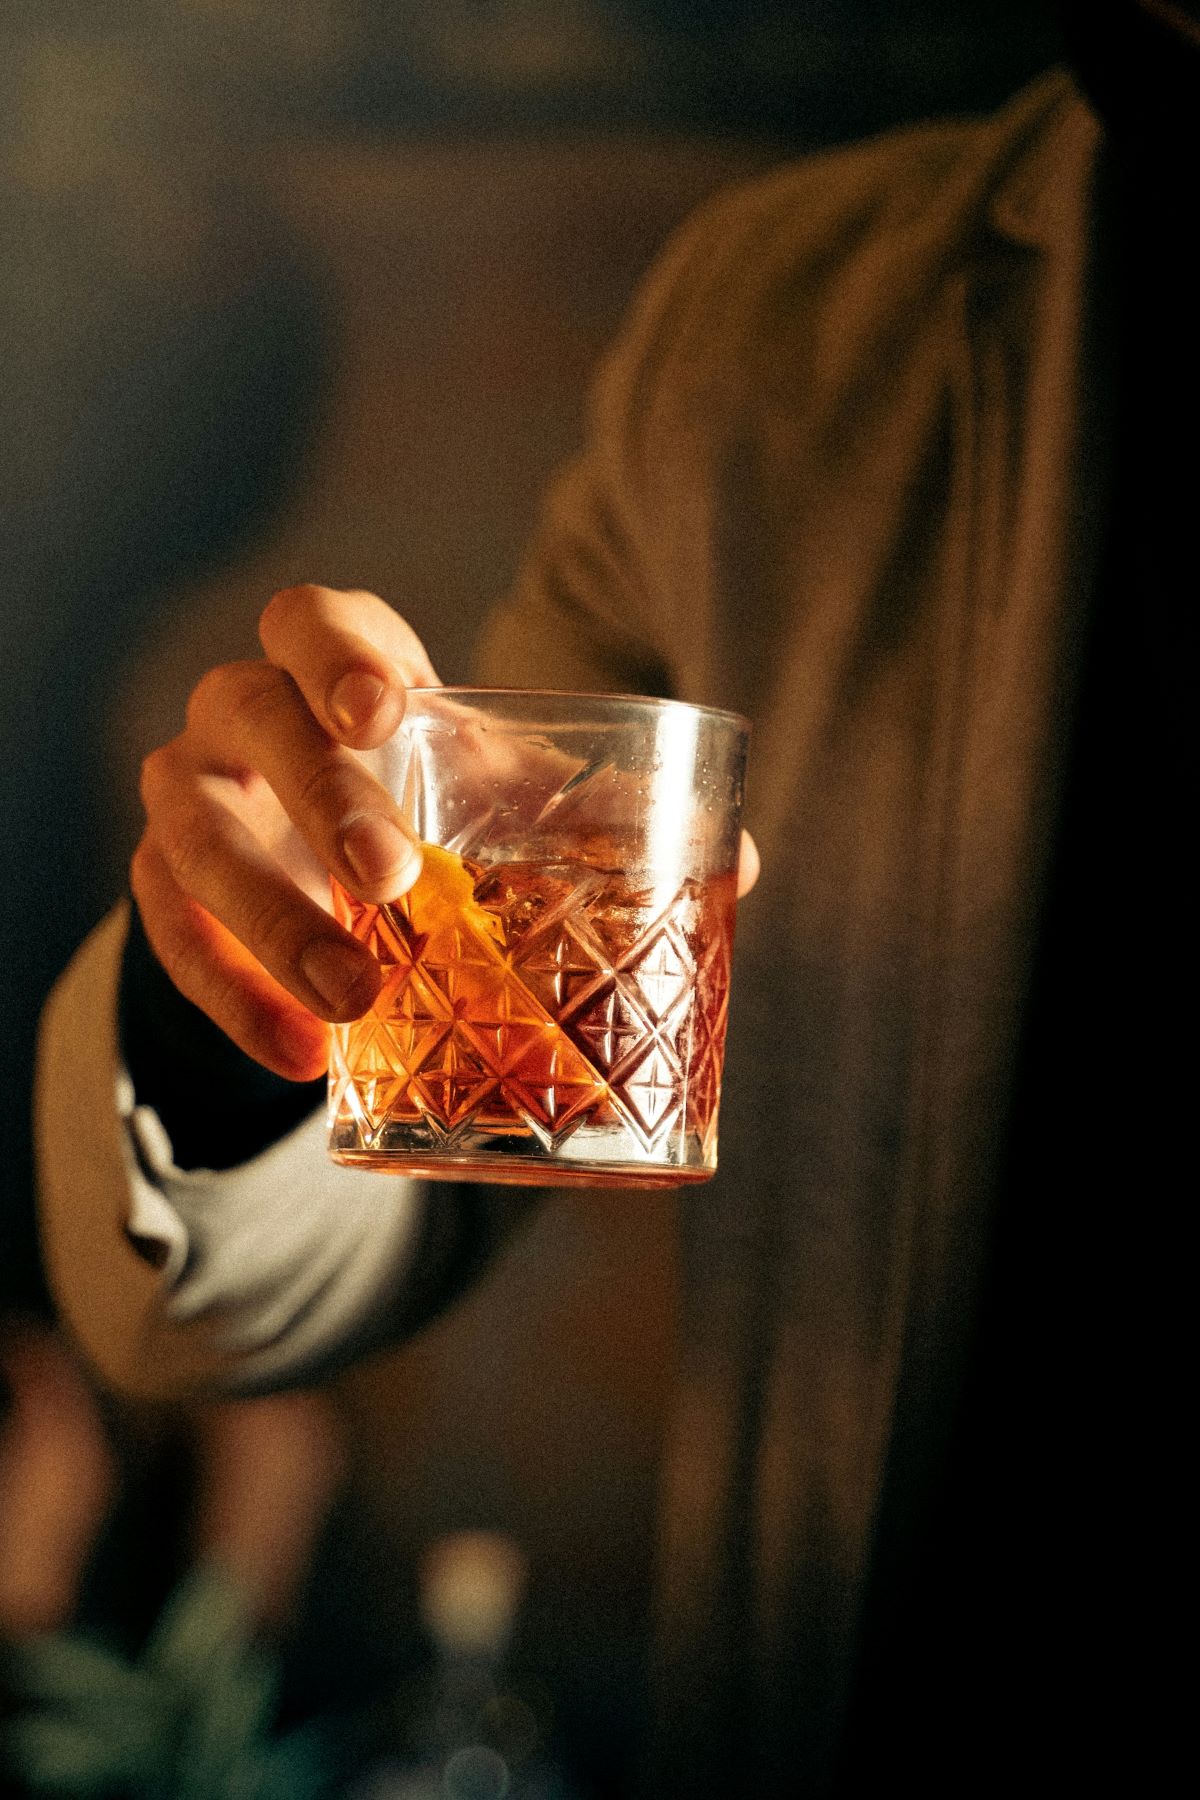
x=480 y=1731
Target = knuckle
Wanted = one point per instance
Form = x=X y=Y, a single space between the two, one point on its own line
x=374 y=608
x=192 y=846
x=232 y=693
x=409 y=637
x=410 y=649
x=150 y=782
x=206 y=698
x=392 y=627
x=270 y=930
x=140 y=870
x=289 y=608
x=158 y=921
x=157 y=775
x=181 y=960
x=190 y=968
x=230 y=1006
x=258 y=690
x=324 y=789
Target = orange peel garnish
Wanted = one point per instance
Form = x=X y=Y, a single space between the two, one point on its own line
x=442 y=899
x=452 y=934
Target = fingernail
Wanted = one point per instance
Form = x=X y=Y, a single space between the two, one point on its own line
x=354 y=698
x=334 y=971
x=375 y=848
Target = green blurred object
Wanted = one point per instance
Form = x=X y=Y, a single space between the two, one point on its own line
x=191 y=1719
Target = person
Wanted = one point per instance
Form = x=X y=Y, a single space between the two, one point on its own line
x=884 y=459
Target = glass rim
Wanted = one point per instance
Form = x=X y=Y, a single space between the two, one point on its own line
x=467 y=691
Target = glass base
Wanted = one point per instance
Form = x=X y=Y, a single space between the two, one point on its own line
x=600 y=1158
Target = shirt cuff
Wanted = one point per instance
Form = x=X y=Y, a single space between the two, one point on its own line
x=240 y=1279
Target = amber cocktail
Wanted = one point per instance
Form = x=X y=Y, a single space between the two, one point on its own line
x=556 y=984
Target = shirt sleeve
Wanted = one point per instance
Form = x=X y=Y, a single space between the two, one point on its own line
x=241 y=1279
x=612 y=584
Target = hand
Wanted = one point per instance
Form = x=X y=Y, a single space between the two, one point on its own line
x=256 y=801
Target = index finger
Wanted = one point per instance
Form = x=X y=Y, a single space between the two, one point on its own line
x=351 y=655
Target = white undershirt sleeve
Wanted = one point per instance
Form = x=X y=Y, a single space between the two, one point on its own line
x=175 y=1281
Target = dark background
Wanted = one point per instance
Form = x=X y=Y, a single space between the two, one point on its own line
x=312 y=291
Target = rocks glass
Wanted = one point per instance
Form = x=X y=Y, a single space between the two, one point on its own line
x=556 y=984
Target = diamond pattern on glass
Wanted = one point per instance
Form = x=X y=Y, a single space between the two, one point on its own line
x=538 y=1000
